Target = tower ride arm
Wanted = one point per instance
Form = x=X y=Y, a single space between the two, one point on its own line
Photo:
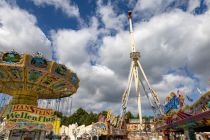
x=126 y=95
x=155 y=97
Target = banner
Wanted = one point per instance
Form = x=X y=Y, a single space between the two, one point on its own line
x=30 y=126
x=30 y=117
x=133 y=127
x=31 y=113
x=32 y=109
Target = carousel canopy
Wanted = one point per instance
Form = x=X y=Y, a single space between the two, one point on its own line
x=31 y=77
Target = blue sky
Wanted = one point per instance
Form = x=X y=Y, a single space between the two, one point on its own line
x=49 y=17
x=92 y=38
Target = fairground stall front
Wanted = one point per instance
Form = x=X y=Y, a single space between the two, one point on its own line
x=107 y=127
x=137 y=131
x=187 y=122
x=27 y=78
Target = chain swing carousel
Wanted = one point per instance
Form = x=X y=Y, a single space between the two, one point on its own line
x=28 y=78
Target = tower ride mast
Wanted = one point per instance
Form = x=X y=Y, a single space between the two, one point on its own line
x=135 y=68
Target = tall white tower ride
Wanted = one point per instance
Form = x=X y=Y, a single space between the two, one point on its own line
x=135 y=69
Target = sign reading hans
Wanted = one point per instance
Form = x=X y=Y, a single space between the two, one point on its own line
x=173 y=102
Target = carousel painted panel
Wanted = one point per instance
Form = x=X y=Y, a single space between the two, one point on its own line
x=60 y=70
x=74 y=79
x=59 y=85
x=37 y=61
x=64 y=87
x=11 y=57
x=3 y=74
x=48 y=80
x=16 y=73
x=43 y=92
x=34 y=75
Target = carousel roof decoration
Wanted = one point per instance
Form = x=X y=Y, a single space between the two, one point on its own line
x=35 y=77
x=188 y=115
x=11 y=57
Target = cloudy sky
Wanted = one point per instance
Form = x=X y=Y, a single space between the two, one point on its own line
x=92 y=38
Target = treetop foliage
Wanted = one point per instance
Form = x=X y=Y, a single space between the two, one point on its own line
x=82 y=117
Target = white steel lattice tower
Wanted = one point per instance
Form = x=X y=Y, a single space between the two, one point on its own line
x=135 y=68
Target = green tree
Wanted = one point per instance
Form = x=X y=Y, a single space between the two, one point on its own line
x=80 y=117
x=129 y=115
x=104 y=113
x=58 y=114
x=64 y=121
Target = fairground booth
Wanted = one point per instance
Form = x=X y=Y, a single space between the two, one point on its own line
x=27 y=79
x=107 y=127
x=183 y=121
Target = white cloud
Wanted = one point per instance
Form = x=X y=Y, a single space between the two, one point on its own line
x=98 y=88
x=149 y=4
x=193 y=4
x=149 y=8
x=175 y=39
x=65 y=5
x=20 y=32
x=170 y=82
x=71 y=46
x=115 y=52
x=207 y=2
x=109 y=17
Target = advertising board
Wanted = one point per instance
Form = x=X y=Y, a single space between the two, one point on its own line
x=30 y=117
